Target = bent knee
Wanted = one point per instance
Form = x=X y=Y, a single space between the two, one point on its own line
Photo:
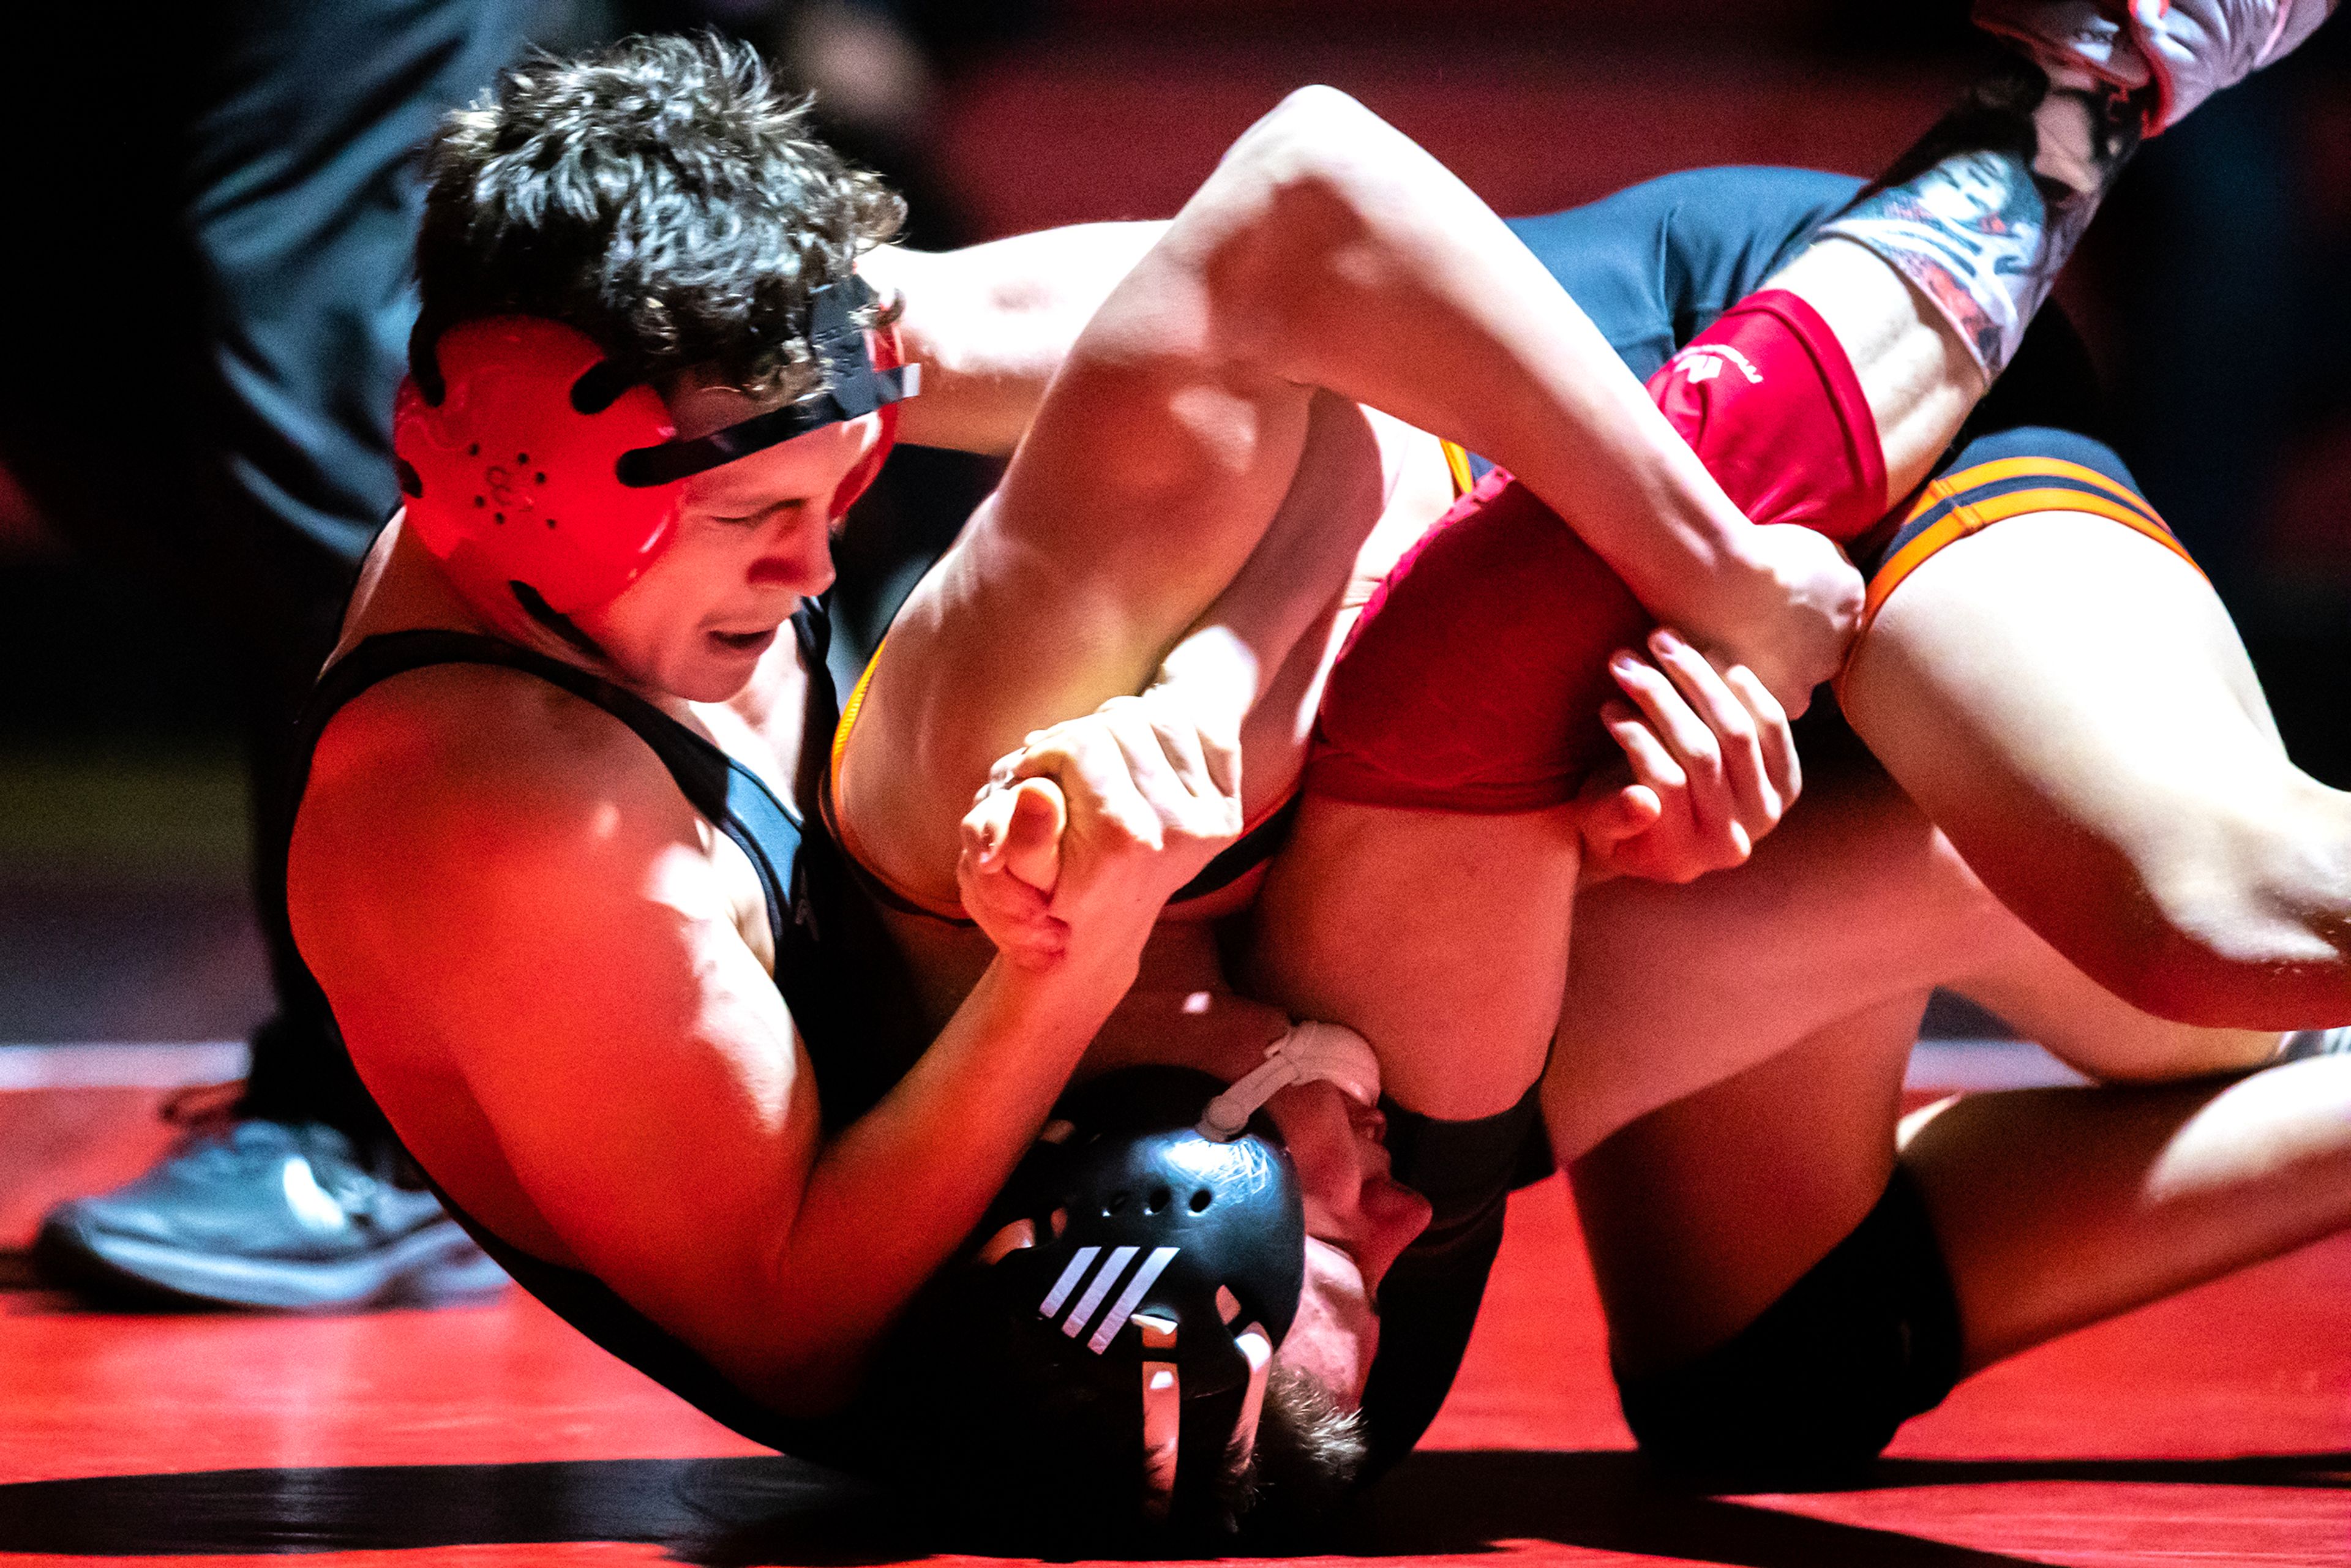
x=2250 y=930
x=1816 y=1386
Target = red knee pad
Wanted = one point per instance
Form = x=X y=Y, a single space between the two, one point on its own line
x=1768 y=400
x=1473 y=681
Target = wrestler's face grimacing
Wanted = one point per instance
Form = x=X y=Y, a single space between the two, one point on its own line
x=753 y=538
x=1358 y=1218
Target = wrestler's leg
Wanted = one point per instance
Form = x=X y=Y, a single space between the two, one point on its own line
x=1779 y=1299
x=1728 y=1227
x=2058 y=1208
x=1441 y=938
x=1701 y=1213
x=2068 y=700
x=2044 y=997
x=1855 y=902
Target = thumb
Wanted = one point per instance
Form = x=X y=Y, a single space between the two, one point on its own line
x=1031 y=845
x=1623 y=814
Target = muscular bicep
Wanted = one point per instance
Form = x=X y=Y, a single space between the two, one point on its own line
x=646 y=1089
x=550 y=990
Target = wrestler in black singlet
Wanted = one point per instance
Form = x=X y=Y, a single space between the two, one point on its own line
x=849 y=993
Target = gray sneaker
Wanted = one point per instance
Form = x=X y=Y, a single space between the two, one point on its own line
x=264 y=1213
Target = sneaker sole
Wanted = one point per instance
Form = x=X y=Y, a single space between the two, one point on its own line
x=434 y=1266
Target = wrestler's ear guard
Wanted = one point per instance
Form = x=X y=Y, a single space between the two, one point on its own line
x=545 y=474
x=513 y=475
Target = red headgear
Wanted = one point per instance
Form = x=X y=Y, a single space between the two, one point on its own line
x=542 y=477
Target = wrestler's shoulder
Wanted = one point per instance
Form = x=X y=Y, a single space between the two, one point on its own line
x=474 y=768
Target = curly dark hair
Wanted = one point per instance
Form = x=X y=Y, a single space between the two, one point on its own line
x=659 y=196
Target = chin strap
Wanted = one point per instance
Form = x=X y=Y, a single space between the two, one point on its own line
x=1332 y=1052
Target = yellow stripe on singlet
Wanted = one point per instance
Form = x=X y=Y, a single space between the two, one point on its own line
x=1968 y=517
x=2072 y=492
x=1955 y=486
x=1457 y=462
x=837 y=820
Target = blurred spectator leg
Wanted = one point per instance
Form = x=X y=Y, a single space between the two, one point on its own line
x=295 y=211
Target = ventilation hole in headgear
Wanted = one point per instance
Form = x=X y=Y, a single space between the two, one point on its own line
x=481 y=500
x=1200 y=1201
x=497 y=516
x=550 y=522
x=474 y=449
x=1160 y=1198
x=410 y=485
x=522 y=457
x=539 y=478
x=1117 y=1204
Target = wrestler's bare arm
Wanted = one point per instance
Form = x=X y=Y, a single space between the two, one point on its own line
x=991 y=323
x=610 y=1081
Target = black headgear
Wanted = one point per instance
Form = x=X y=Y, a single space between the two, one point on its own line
x=1119 y=1307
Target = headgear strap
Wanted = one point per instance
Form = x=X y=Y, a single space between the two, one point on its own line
x=858 y=388
x=1310 y=1051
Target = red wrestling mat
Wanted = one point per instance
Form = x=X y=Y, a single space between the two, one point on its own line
x=2215 y=1429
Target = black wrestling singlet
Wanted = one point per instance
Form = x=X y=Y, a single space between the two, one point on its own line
x=840 y=977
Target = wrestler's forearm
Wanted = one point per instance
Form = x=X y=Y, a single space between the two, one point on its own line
x=889 y=1199
x=991 y=323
